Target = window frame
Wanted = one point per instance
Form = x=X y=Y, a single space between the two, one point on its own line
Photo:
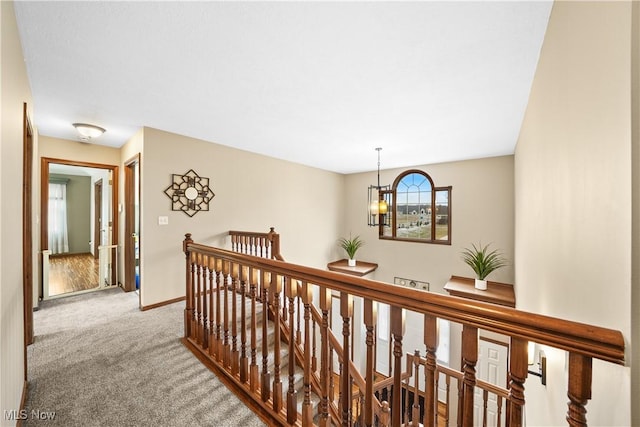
x=391 y=197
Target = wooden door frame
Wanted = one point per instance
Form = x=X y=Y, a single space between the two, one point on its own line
x=27 y=232
x=44 y=201
x=129 y=222
x=97 y=217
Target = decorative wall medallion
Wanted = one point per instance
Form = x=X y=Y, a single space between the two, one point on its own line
x=189 y=193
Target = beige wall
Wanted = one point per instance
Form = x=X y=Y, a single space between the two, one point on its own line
x=15 y=91
x=573 y=196
x=635 y=258
x=252 y=192
x=65 y=149
x=481 y=210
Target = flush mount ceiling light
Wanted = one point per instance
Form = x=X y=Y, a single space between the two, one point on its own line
x=88 y=132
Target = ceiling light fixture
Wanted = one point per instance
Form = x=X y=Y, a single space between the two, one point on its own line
x=377 y=204
x=88 y=132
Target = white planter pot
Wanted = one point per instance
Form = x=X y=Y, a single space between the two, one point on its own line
x=351 y=262
x=481 y=284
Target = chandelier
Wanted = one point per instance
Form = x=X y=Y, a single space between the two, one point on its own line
x=377 y=205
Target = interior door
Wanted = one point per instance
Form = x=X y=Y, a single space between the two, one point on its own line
x=132 y=277
x=492 y=367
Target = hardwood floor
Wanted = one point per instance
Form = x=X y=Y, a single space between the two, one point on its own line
x=72 y=273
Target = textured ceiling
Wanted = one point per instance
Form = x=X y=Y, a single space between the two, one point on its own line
x=318 y=83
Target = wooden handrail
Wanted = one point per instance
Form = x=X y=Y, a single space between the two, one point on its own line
x=214 y=273
x=587 y=340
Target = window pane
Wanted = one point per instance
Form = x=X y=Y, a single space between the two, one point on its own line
x=386 y=229
x=442 y=215
x=413 y=207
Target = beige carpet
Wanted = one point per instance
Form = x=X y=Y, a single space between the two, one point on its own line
x=97 y=360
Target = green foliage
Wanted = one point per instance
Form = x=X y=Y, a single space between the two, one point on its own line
x=481 y=261
x=351 y=245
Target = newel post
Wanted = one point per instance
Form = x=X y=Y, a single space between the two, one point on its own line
x=189 y=306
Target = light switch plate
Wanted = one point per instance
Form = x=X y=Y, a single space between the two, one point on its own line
x=163 y=220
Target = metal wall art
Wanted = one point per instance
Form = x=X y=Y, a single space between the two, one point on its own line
x=189 y=193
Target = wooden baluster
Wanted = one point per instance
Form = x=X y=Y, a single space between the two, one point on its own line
x=325 y=367
x=579 y=391
x=346 y=311
x=370 y=318
x=397 y=332
x=227 y=346
x=314 y=358
x=518 y=362
x=265 y=383
x=198 y=295
x=435 y=388
x=447 y=412
x=189 y=285
x=340 y=375
x=499 y=411
x=460 y=400
x=205 y=309
x=277 y=383
x=307 y=408
x=485 y=399
x=469 y=359
x=405 y=399
x=298 y=330
x=194 y=314
x=253 y=368
x=291 y=291
x=244 y=360
x=415 y=413
x=332 y=385
x=234 y=318
x=431 y=344
x=219 y=285
x=212 y=323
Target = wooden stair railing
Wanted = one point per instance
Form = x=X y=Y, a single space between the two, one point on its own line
x=217 y=330
x=267 y=245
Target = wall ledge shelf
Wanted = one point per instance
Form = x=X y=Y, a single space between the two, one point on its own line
x=496 y=293
x=362 y=268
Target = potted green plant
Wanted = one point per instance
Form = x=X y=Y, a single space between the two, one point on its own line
x=351 y=246
x=483 y=262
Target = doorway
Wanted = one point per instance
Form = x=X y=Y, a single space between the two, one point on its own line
x=132 y=276
x=78 y=246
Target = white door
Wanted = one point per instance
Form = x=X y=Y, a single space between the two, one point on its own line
x=493 y=362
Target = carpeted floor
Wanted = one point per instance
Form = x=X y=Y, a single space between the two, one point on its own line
x=97 y=360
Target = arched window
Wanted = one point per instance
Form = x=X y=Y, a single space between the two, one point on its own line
x=418 y=210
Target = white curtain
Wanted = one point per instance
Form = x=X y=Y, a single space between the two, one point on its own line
x=58 y=235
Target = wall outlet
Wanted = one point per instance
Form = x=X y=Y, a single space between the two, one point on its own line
x=163 y=220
